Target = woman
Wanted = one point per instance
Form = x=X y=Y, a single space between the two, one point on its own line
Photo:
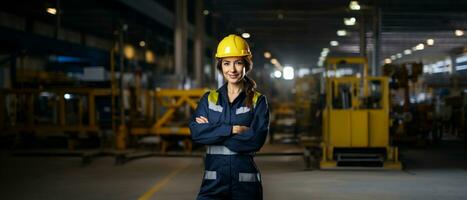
x=233 y=121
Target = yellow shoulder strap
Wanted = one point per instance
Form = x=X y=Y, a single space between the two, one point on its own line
x=213 y=96
x=256 y=97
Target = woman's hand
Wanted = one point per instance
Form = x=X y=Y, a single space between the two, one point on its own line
x=237 y=129
x=201 y=120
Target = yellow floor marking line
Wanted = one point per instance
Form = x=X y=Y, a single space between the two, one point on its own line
x=160 y=184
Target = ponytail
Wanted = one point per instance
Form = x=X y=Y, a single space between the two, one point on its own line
x=249 y=86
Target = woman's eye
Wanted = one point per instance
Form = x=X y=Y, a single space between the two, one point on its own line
x=239 y=63
x=226 y=64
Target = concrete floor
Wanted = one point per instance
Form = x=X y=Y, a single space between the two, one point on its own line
x=437 y=173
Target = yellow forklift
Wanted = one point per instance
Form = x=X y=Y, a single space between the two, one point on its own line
x=356 y=118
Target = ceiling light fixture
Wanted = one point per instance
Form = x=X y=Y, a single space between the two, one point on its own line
x=288 y=73
x=420 y=47
x=142 y=43
x=350 y=21
x=334 y=43
x=430 y=42
x=354 y=5
x=52 y=11
x=246 y=35
x=274 y=61
x=341 y=33
x=277 y=74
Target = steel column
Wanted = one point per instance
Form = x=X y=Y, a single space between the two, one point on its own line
x=180 y=35
x=199 y=43
x=376 y=69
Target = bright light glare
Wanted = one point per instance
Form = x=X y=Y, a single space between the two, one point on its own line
x=129 y=51
x=277 y=74
x=350 y=21
x=67 y=96
x=52 y=11
x=288 y=73
x=150 y=57
x=387 y=61
x=459 y=33
x=267 y=54
x=430 y=42
x=407 y=52
x=354 y=5
x=341 y=32
x=274 y=61
x=420 y=47
x=334 y=43
x=246 y=35
x=142 y=43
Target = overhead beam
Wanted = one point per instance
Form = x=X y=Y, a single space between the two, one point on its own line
x=156 y=12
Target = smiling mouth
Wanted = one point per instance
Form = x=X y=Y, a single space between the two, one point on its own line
x=233 y=76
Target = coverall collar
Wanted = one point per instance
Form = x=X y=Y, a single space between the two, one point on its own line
x=224 y=93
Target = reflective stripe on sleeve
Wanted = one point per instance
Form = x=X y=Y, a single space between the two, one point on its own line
x=210 y=175
x=249 y=177
x=215 y=107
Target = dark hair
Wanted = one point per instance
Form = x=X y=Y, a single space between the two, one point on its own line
x=249 y=85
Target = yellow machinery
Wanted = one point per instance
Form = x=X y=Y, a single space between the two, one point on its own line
x=23 y=102
x=356 y=119
x=168 y=122
x=165 y=113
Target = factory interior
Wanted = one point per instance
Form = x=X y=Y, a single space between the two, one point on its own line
x=366 y=98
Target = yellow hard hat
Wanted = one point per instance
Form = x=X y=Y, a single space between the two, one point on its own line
x=233 y=46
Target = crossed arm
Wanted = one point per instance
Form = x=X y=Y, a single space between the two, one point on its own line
x=236 y=129
x=235 y=137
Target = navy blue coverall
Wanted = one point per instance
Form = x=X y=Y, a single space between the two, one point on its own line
x=230 y=171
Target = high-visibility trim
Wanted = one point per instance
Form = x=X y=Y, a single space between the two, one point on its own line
x=219 y=150
x=213 y=96
x=242 y=110
x=249 y=177
x=223 y=150
x=215 y=107
x=255 y=98
x=210 y=175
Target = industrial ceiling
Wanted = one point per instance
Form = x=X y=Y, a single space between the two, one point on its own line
x=294 y=31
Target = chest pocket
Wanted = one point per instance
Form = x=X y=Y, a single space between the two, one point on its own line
x=243 y=115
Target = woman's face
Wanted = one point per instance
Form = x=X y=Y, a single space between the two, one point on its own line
x=233 y=69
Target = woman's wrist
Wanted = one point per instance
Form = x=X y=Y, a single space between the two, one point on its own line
x=234 y=129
